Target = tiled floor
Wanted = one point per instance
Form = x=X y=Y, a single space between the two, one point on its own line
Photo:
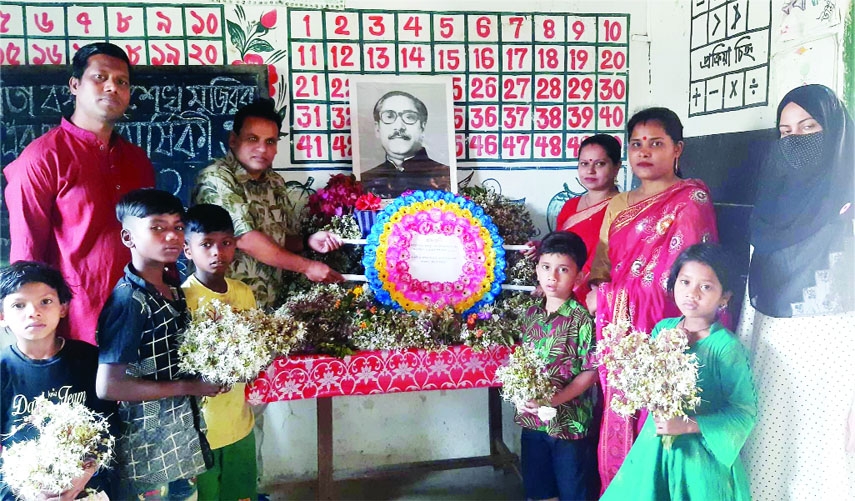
x=465 y=484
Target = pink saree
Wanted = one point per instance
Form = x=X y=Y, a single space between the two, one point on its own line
x=644 y=240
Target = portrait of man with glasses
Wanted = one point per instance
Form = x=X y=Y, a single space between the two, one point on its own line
x=399 y=124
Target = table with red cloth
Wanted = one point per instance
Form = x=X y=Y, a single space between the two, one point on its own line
x=377 y=372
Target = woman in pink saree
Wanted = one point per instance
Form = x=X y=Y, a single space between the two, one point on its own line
x=643 y=232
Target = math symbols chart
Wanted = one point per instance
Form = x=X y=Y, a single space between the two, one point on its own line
x=527 y=88
x=729 y=53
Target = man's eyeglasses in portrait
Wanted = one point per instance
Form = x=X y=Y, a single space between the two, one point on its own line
x=408 y=117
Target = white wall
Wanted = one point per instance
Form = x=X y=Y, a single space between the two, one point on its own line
x=442 y=424
x=433 y=425
x=453 y=424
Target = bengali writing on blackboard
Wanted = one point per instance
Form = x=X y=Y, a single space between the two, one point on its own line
x=177 y=118
x=182 y=127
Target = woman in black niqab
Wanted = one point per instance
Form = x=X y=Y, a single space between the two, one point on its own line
x=799 y=327
x=801 y=226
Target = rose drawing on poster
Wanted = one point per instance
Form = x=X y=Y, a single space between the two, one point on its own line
x=252 y=41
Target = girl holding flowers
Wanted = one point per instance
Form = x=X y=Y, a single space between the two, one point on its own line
x=643 y=232
x=702 y=460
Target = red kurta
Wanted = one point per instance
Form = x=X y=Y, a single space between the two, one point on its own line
x=61 y=195
x=585 y=223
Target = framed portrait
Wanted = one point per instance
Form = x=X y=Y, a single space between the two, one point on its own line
x=403 y=133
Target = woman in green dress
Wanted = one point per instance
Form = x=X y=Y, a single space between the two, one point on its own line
x=703 y=460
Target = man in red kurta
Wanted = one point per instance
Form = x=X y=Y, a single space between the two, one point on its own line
x=63 y=188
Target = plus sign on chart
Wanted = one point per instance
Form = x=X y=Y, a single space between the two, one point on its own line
x=729 y=55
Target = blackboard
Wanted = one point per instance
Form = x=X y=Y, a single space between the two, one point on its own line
x=730 y=165
x=179 y=115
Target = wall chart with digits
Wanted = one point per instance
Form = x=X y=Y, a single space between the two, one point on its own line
x=527 y=88
x=729 y=54
x=156 y=34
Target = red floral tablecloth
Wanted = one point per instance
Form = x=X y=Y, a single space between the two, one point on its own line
x=375 y=372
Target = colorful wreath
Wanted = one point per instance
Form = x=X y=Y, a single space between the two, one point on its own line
x=460 y=227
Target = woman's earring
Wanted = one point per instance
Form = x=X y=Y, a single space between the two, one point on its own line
x=677 y=165
x=722 y=307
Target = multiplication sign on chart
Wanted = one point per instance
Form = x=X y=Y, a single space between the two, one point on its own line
x=527 y=88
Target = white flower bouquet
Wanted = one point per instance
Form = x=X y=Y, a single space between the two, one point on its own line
x=225 y=346
x=525 y=379
x=71 y=437
x=653 y=374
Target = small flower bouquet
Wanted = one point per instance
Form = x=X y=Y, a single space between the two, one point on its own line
x=525 y=379
x=380 y=328
x=337 y=198
x=512 y=218
x=486 y=328
x=225 y=346
x=330 y=309
x=71 y=437
x=366 y=209
x=653 y=374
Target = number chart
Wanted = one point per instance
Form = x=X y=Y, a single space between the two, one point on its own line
x=527 y=89
x=151 y=34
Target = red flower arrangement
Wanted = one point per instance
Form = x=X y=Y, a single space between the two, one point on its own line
x=337 y=198
x=368 y=201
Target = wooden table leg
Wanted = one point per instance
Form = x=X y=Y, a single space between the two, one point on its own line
x=325 y=448
x=501 y=455
x=494 y=410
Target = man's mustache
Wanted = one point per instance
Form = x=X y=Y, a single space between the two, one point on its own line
x=400 y=135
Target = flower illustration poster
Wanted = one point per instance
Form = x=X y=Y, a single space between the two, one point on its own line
x=254 y=35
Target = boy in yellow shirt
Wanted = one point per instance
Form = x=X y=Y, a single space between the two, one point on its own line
x=210 y=244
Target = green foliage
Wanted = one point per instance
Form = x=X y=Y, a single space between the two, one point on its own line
x=512 y=219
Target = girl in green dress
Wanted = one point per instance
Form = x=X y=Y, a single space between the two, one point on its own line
x=703 y=461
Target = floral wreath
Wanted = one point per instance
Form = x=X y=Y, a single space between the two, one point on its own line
x=386 y=253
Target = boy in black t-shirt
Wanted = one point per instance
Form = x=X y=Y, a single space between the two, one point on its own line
x=33 y=300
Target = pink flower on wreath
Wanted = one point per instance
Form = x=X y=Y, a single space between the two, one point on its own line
x=272 y=75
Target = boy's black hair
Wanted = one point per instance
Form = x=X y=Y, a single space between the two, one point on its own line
x=146 y=202
x=207 y=218
x=21 y=273
x=608 y=143
x=567 y=243
x=263 y=107
x=712 y=255
x=81 y=57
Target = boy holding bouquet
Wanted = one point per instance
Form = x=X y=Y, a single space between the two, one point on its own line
x=33 y=300
x=161 y=448
x=210 y=243
x=559 y=454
